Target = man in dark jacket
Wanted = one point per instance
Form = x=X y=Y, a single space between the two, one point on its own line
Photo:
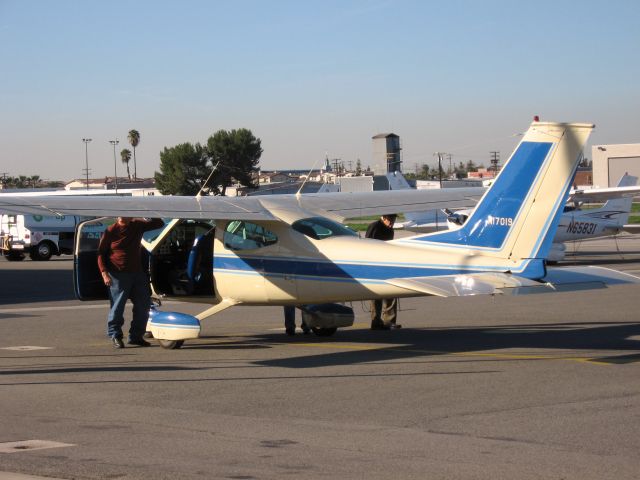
x=120 y=263
x=383 y=312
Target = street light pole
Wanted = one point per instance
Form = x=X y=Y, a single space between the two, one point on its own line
x=86 y=158
x=115 y=168
x=439 y=154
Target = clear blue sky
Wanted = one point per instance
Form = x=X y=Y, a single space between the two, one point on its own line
x=307 y=77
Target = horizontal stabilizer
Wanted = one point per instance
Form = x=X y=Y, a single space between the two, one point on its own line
x=464 y=285
x=565 y=279
x=580 y=278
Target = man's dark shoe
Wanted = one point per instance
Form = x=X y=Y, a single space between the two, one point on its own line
x=380 y=326
x=395 y=325
x=291 y=331
x=140 y=342
x=117 y=342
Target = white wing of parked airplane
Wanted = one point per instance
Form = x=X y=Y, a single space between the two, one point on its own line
x=600 y=195
x=335 y=205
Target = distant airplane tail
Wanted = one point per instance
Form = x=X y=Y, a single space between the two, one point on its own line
x=618 y=209
x=525 y=202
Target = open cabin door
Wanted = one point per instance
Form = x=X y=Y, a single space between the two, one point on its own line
x=181 y=260
x=87 y=280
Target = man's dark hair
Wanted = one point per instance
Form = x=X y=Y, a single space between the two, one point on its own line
x=390 y=216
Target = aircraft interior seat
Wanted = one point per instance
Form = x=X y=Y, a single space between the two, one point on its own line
x=200 y=251
x=307 y=230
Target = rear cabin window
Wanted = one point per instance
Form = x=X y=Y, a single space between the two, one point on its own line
x=320 y=228
x=240 y=235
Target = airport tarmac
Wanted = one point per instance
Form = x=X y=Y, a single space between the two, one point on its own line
x=539 y=386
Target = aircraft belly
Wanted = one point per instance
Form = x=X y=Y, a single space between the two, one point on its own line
x=336 y=290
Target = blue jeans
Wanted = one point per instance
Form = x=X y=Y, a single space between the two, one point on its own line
x=290 y=318
x=125 y=285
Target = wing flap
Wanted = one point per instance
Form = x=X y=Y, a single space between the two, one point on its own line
x=358 y=204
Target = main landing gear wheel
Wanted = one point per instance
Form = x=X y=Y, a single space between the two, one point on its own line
x=324 y=332
x=171 y=344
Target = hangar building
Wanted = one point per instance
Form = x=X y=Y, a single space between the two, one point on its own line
x=610 y=162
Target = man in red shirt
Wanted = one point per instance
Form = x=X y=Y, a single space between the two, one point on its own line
x=119 y=260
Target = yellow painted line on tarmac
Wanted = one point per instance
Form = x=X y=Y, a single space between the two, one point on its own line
x=52 y=309
x=520 y=356
x=340 y=346
x=499 y=356
x=90 y=306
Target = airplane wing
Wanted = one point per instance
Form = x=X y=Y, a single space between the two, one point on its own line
x=248 y=208
x=557 y=279
x=336 y=205
x=601 y=195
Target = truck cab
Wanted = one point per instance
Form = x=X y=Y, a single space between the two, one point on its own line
x=38 y=236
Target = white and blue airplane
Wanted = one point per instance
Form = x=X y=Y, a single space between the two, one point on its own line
x=292 y=250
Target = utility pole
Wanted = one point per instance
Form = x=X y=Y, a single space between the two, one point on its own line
x=338 y=166
x=439 y=154
x=86 y=158
x=115 y=168
x=495 y=160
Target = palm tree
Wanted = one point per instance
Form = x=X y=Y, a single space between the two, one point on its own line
x=125 y=155
x=134 y=140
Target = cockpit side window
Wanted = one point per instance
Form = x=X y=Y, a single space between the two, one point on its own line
x=241 y=235
x=151 y=235
x=320 y=228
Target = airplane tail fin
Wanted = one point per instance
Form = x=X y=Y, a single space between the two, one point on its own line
x=618 y=209
x=512 y=219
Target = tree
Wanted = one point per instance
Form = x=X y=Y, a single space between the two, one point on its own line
x=358 y=167
x=236 y=154
x=125 y=155
x=183 y=169
x=134 y=140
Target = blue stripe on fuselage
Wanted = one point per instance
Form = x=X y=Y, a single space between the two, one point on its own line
x=293 y=267
x=494 y=216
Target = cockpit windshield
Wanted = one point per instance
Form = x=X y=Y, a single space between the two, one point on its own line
x=320 y=228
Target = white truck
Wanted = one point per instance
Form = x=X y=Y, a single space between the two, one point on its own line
x=38 y=236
